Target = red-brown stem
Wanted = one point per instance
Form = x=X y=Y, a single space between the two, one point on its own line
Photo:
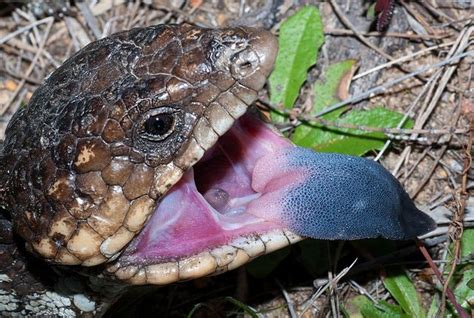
x=449 y=292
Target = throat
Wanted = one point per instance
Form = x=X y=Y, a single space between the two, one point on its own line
x=185 y=223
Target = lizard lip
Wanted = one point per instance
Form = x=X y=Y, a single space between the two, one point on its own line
x=209 y=209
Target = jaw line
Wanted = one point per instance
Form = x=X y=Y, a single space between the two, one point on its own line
x=195 y=240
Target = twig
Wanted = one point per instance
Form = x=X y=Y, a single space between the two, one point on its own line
x=289 y=302
x=402 y=59
x=458 y=217
x=310 y=301
x=427 y=89
x=90 y=18
x=348 y=24
x=383 y=88
x=23 y=29
x=439 y=155
x=435 y=269
x=388 y=34
x=30 y=68
x=462 y=43
x=20 y=76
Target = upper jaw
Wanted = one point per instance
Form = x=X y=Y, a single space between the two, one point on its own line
x=249 y=60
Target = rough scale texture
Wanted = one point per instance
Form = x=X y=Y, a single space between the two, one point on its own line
x=108 y=133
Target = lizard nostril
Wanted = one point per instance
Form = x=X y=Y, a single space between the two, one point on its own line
x=244 y=63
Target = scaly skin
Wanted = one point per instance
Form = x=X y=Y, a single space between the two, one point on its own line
x=79 y=171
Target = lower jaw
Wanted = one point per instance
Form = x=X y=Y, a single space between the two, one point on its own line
x=214 y=261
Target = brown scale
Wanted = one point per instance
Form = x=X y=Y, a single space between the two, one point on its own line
x=79 y=172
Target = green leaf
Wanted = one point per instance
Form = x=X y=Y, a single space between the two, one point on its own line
x=247 y=309
x=361 y=306
x=371 y=14
x=326 y=93
x=402 y=289
x=352 y=141
x=354 y=306
x=301 y=37
x=464 y=291
x=434 y=307
x=327 y=88
x=467 y=243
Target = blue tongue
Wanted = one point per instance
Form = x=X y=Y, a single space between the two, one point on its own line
x=335 y=197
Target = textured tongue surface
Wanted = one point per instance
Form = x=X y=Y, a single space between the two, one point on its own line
x=334 y=196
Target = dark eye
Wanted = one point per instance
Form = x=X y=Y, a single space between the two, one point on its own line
x=158 y=127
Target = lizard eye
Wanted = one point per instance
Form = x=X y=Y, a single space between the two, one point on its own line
x=158 y=127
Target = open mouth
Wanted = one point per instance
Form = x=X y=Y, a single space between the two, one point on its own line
x=249 y=195
x=206 y=222
x=252 y=190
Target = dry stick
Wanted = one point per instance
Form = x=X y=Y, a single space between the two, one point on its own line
x=387 y=131
x=289 y=302
x=448 y=171
x=388 y=34
x=440 y=154
x=402 y=59
x=132 y=14
x=418 y=17
x=458 y=217
x=30 y=18
x=26 y=28
x=348 y=24
x=462 y=43
x=383 y=88
x=447 y=75
x=408 y=173
x=90 y=18
x=35 y=35
x=455 y=24
x=20 y=76
x=427 y=89
x=337 y=256
x=24 y=46
x=435 y=269
x=30 y=68
x=139 y=18
x=429 y=6
x=427 y=97
x=332 y=293
x=310 y=301
x=371 y=92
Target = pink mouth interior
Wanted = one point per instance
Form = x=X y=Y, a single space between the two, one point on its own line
x=208 y=206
